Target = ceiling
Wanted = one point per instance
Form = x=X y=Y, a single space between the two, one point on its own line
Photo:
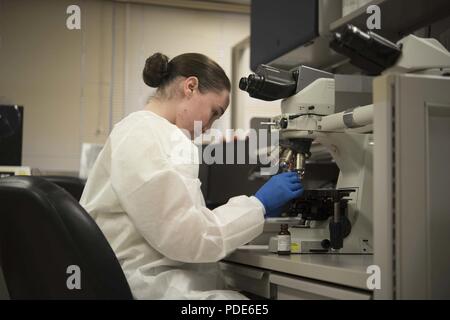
x=244 y=2
x=234 y=6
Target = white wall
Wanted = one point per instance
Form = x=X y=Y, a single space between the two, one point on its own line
x=75 y=84
x=247 y=107
x=172 y=32
x=60 y=76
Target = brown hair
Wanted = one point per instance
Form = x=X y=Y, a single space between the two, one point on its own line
x=159 y=72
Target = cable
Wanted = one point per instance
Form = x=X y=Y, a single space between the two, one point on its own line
x=295 y=116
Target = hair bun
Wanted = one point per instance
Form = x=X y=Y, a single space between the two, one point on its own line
x=156 y=69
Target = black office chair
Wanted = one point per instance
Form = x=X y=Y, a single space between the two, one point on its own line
x=44 y=231
x=73 y=185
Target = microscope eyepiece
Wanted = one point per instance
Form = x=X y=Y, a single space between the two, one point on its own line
x=269 y=83
x=254 y=83
x=243 y=83
x=368 y=51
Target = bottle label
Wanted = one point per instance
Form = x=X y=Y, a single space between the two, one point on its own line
x=284 y=243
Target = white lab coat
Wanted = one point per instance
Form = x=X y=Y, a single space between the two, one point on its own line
x=146 y=198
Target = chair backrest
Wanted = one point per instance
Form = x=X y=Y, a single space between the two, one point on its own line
x=48 y=242
x=72 y=185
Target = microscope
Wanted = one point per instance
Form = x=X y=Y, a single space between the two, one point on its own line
x=337 y=220
x=327 y=216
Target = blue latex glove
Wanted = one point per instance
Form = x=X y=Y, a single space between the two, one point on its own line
x=279 y=190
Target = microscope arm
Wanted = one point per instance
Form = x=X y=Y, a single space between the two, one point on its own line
x=349 y=119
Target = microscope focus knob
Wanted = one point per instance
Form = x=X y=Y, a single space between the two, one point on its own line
x=283 y=123
x=326 y=244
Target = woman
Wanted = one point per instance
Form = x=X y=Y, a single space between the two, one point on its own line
x=147 y=199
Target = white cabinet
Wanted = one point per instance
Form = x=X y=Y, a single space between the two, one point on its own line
x=275 y=285
x=245 y=278
x=411 y=202
x=295 y=288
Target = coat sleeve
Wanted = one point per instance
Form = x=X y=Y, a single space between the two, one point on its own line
x=166 y=206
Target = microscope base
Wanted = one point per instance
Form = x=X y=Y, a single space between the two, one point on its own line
x=316 y=246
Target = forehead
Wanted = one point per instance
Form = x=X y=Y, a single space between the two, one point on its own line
x=222 y=98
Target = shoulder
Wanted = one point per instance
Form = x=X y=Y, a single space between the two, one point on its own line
x=134 y=134
x=141 y=125
x=146 y=130
x=140 y=120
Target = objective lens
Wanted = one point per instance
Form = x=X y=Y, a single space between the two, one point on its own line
x=286 y=158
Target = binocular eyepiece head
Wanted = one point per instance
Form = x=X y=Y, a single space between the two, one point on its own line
x=269 y=83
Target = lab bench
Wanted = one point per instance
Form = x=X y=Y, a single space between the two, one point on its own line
x=297 y=276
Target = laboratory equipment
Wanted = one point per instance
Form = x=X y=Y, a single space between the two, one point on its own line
x=337 y=220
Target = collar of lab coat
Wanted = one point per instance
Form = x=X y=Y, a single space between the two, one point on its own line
x=179 y=148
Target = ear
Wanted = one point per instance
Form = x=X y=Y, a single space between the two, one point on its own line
x=190 y=85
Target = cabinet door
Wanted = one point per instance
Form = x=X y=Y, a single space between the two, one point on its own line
x=248 y=279
x=412 y=175
x=295 y=288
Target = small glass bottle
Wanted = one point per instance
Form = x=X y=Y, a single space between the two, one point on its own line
x=284 y=240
